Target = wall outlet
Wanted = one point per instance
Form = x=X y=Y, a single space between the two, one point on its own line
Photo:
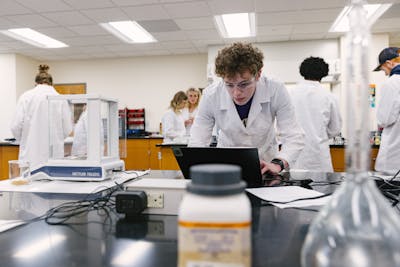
x=155 y=200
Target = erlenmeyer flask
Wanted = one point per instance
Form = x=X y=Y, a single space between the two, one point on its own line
x=357 y=227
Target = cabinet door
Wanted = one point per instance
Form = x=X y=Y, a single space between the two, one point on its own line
x=137 y=151
x=7 y=153
x=155 y=154
x=168 y=161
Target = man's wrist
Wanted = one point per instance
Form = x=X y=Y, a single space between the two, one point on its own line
x=279 y=162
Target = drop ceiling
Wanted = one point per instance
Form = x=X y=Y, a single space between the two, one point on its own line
x=180 y=26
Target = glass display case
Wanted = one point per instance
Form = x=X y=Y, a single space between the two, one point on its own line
x=91 y=151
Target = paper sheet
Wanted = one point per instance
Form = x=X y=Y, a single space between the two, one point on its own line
x=288 y=193
x=8 y=224
x=71 y=187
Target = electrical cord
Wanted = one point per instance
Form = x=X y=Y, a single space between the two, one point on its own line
x=267 y=202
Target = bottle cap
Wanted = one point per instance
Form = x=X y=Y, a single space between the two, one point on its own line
x=216 y=179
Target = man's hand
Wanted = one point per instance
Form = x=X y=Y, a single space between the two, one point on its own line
x=269 y=167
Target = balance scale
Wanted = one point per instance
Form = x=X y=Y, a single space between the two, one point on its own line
x=91 y=153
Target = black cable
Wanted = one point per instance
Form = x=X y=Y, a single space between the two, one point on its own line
x=295 y=200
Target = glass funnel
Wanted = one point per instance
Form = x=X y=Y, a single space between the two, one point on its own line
x=357 y=227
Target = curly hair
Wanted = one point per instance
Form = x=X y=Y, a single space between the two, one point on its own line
x=314 y=68
x=179 y=97
x=238 y=58
x=43 y=76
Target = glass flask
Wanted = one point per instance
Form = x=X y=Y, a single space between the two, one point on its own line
x=357 y=227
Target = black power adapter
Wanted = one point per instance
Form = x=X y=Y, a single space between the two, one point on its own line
x=130 y=202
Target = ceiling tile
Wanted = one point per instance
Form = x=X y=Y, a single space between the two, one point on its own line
x=177 y=44
x=389 y=24
x=317 y=4
x=228 y=6
x=150 y=12
x=89 y=4
x=202 y=34
x=57 y=32
x=31 y=21
x=6 y=23
x=44 y=6
x=195 y=23
x=91 y=40
x=163 y=25
x=105 y=14
x=68 y=18
x=311 y=28
x=87 y=30
x=310 y=16
x=188 y=10
x=393 y=12
x=276 y=6
x=170 y=36
x=274 y=29
x=134 y=2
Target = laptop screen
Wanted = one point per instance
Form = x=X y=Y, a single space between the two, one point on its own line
x=247 y=158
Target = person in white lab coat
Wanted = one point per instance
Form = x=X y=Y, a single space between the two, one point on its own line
x=388 y=112
x=317 y=112
x=79 y=145
x=190 y=111
x=173 y=122
x=30 y=125
x=244 y=106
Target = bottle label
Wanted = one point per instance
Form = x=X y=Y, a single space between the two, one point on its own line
x=214 y=244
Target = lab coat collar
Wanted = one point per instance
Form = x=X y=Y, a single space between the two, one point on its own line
x=261 y=95
x=310 y=83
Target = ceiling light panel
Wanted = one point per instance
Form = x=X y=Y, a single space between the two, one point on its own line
x=129 y=31
x=33 y=37
x=237 y=25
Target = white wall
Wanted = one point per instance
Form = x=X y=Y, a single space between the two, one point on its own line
x=148 y=82
x=7 y=92
x=26 y=70
x=282 y=59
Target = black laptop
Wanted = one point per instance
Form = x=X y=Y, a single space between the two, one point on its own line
x=247 y=158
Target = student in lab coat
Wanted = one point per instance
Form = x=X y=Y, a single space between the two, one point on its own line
x=79 y=145
x=388 y=112
x=244 y=106
x=173 y=122
x=30 y=125
x=317 y=112
x=190 y=111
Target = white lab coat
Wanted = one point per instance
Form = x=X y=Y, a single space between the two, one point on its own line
x=187 y=115
x=79 y=145
x=173 y=127
x=271 y=102
x=388 y=117
x=30 y=125
x=318 y=114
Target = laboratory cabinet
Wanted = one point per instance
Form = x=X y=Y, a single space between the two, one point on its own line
x=7 y=152
x=142 y=154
